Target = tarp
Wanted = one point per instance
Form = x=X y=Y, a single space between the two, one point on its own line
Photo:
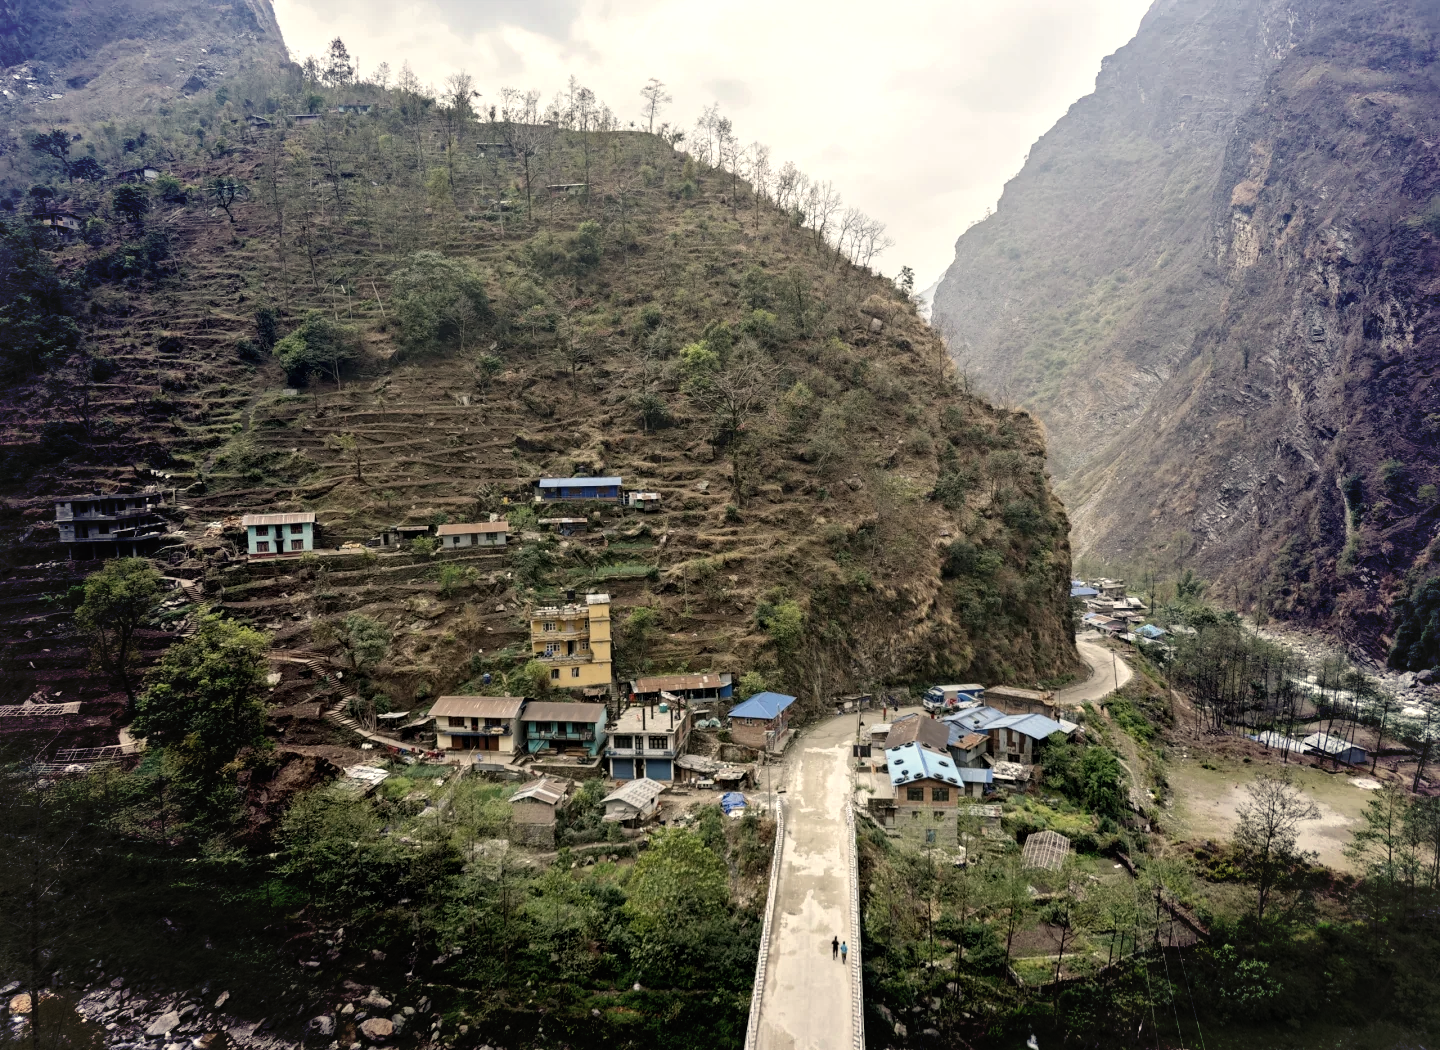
x=731 y=801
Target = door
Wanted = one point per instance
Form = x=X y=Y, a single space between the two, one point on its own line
x=658 y=769
x=622 y=768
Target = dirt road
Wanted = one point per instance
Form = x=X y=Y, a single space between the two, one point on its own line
x=1107 y=673
x=807 y=1002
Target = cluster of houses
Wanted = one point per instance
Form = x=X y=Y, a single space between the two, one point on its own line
x=934 y=761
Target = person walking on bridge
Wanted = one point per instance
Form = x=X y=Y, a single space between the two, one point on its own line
x=834 y=947
x=844 y=950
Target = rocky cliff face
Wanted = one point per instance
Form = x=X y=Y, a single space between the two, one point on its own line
x=1215 y=281
x=81 y=62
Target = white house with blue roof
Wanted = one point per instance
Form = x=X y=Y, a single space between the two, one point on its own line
x=761 y=721
x=927 y=789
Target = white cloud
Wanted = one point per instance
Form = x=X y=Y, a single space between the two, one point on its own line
x=918 y=113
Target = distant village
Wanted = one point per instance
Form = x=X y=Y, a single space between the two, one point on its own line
x=922 y=768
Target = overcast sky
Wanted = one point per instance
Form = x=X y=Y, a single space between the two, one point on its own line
x=918 y=111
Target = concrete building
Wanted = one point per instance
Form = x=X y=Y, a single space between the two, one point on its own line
x=473 y=534
x=115 y=526
x=270 y=535
x=553 y=490
x=927 y=791
x=573 y=640
x=535 y=810
x=761 y=721
x=645 y=741
x=563 y=727
x=633 y=803
x=478 y=723
x=968 y=749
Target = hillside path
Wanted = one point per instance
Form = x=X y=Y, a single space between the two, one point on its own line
x=1105 y=668
x=808 y=1002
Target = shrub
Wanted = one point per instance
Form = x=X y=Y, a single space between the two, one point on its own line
x=319 y=345
x=438 y=302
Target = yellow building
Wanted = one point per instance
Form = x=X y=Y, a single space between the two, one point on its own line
x=573 y=640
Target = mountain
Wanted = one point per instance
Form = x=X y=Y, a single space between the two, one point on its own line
x=1214 y=280
x=836 y=510
x=72 y=63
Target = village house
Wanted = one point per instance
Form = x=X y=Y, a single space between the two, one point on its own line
x=300 y=120
x=917 y=729
x=114 y=526
x=1014 y=700
x=535 y=810
x=646 y=740
x=633 y=803
x=643 y=501
x=1336 y=748
x=565 y=727
x=473 y=534
x=478 y=723
x=968 y=750
x=687 y=687
x=354 y=107
x=926 y=789
x=762 y=721
x=973 y=720
x=269 y=535
x=138 y=175
x=573 y=641
x=566 y=526
x=554 y=490
x=399 y=535
x=259 y=122
x=1014 y=738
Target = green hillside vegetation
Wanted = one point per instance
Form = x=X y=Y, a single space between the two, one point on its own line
x=468 y=301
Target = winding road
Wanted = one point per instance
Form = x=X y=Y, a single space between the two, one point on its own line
x=1107 y=673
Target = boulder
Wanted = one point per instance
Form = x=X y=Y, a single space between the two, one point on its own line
x=377 y=1029
x=876 y=325
x=375 y=1001
x=322 y=1025
x=164 y=1024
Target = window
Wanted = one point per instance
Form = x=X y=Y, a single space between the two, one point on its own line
x=262 y=530
x=940 y=814
x=550 y=648
x=939 y=794
x=929 y=835
x=548 y=625
x=574 y=672
x=555 y=674
x=624 y=742
x=262 y=547
x=297 y=530
x=297 y=545
x=914 y=794
x=658 y=743
x=457 y=721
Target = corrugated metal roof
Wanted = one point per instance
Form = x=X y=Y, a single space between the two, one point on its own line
x=638 y=793
x=579 y=483
x=1037 y=727
x=470 y=528
x=762 y=705
x=969 y=740
x=478 y=706
x=913 y=729
x=305 y=518
x=543 y=790
x=551 y=711
x=975 y=719
x=677 y=682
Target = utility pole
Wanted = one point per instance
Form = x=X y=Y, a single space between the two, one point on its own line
x=1115 y=669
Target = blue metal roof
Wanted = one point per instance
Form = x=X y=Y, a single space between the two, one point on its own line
x=976 y=776
x=975 y=719
x=1037 y=727
x=575 y=483
x=762 y=705
x=913 y=762
x=1151 y=631
x=1082 y=592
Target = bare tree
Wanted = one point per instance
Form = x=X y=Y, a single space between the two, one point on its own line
x=656 y=98
x=524 y=133
x=1268 y=833
x=759 y=174
x=730 y=396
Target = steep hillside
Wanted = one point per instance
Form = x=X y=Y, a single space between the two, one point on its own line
x=837 y=512
x=1213 y=280
x=82 y=64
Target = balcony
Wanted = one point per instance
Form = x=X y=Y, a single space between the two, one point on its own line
x=468 y=731
x=579 y=736
x=566 y=658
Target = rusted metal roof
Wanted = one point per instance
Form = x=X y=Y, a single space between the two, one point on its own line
x=472 y=527
x=674 y=683
x=546 y=790
x=478 y=706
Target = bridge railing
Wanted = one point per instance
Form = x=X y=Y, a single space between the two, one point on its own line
x=752 y=1028
x=857 y=977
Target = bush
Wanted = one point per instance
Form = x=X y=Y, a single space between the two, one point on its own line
x=319 y=345
x=439 y=302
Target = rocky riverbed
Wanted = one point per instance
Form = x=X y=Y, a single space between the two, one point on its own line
x=1416 y=692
